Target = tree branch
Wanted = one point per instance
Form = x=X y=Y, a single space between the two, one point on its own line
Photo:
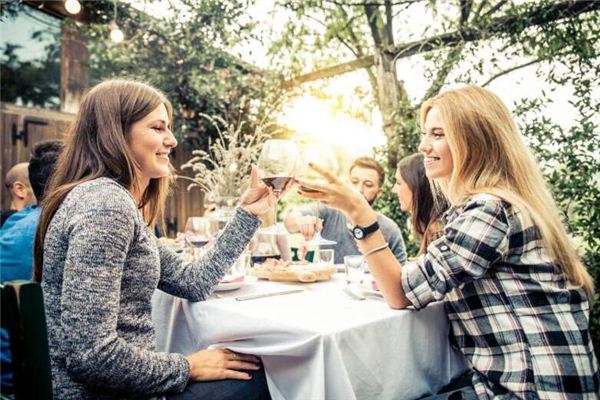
x=389 y=31
x=363 y=62
x=372 y=3
x=512 y=69
x=373 y=16
x=507 y=24
x=495 y=8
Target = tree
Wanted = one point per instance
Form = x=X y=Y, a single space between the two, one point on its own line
x=184 y=55
x=471 y=42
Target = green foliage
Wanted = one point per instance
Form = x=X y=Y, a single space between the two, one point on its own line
x=26 y=80
x=184 y=56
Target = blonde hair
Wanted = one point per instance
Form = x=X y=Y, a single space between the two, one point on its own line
x=99 y=147
x=502 y=165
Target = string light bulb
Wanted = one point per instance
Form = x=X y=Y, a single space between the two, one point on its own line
x=72 y=6
x=116 y=34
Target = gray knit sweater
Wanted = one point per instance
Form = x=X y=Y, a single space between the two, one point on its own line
x=101 y=266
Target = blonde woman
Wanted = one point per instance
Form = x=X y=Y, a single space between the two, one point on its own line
x=99 y=263
x=516 y=294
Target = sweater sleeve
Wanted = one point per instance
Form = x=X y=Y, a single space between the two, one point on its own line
x=194 y=280
x=99 y=237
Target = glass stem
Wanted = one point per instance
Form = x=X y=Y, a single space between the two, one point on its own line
x=317 y=256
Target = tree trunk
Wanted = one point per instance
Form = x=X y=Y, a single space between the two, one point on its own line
x=396 y=110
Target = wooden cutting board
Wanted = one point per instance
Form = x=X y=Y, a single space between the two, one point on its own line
x=305 y=274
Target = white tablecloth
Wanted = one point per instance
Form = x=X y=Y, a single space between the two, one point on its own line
x=318 y=344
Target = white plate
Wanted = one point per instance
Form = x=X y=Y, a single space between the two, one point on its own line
x=223 y=287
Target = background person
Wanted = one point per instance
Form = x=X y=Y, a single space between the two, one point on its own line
x=415 y=196
x=18 y=233
x=18 y=186
x=17 y=236
x=516 y=293
x=99 y=262
x=366 y=175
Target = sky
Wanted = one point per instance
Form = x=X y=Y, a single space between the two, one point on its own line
x=359 y=137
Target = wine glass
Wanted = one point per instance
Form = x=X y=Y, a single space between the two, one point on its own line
x=321 y=155
x=277 y=164
x=198 y=233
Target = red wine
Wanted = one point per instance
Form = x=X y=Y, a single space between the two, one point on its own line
x=278 y=183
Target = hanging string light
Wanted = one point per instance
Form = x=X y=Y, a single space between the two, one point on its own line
x=116 y=34
x=72 y=6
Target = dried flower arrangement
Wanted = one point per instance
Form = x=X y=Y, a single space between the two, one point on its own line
x=222 y=171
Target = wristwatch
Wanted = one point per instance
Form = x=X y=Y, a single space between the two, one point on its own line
x=360 y=232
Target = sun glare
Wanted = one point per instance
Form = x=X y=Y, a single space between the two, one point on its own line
x=316 y=119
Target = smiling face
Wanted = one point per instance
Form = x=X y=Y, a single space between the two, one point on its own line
x=434 y=146
x=151 y=141
x=404 y=193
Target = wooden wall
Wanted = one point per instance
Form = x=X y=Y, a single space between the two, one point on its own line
x=181 y=205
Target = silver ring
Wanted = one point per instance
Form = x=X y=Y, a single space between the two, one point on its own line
x=234 y=356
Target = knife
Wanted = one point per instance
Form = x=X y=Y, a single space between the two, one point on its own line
x=262 y=295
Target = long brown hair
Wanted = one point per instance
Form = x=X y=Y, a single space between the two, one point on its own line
x=98 y=146
x=427 y=207
x=490 y=156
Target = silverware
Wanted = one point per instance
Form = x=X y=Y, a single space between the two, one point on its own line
x=261 y=295
x=353 y=294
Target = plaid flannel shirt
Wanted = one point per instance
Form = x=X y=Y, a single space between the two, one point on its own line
x=512 y=311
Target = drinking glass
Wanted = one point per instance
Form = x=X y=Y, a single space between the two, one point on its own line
x=324 y=257
x=198 y=233
x=354 y=268
x=277 y=164
x=321 y=155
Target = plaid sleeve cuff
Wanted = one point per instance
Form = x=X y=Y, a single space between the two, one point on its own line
x=426 y=279
x=415 y=285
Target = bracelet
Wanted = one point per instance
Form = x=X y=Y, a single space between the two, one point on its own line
x=375 y=250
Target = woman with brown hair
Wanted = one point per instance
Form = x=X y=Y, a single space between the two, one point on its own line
x=516 y=293
x=415 y=196
x=99 y=263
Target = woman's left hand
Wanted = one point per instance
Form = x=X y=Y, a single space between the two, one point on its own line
x=258 y=199
x=340 y=195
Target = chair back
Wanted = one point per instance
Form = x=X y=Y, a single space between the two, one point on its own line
x=24 y=318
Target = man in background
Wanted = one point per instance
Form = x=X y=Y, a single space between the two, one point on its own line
x=18 y=232
x=19 y=188
x=367 y=176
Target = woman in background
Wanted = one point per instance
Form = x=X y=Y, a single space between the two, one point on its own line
x=99 y=262
x=415 y=196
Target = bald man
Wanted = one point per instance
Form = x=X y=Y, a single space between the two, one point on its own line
x=21 y=194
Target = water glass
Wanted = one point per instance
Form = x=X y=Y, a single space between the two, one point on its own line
x=324 y=257
x=354 y=268
x=241 y=266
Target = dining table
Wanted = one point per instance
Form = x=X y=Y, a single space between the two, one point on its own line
x=317 y=340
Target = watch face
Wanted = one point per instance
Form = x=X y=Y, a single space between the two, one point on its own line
x=358 y=233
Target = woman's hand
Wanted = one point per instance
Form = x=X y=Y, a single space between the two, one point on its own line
x=218 y=364
x=340 y=195
x=258 y=199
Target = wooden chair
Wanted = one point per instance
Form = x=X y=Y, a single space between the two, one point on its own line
x=24 y=318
